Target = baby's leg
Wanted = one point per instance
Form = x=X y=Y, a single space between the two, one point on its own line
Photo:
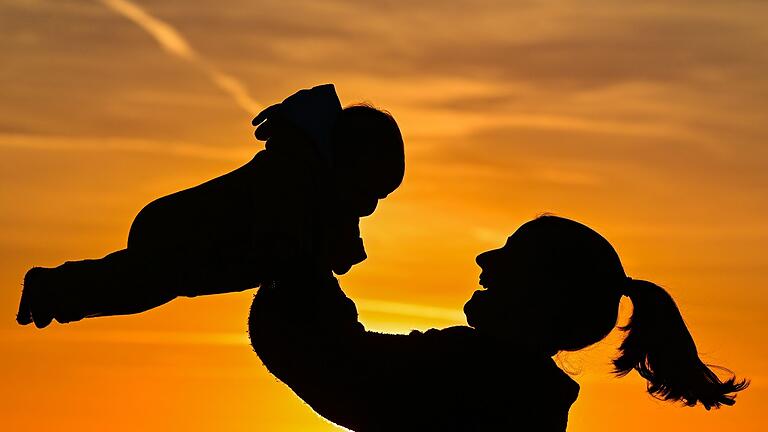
x=120 y=283
x=211 y=238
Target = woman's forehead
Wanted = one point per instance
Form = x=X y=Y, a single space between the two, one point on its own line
x=516 y=237
x=509 y=245
x=520 y=242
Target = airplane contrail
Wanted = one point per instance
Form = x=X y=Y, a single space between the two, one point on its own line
x=172 y=42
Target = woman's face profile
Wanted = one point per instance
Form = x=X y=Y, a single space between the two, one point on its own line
x=508 y=300
x=549 y=268
x=495 y=267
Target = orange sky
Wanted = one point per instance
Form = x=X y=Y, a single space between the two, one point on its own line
x=644 y=120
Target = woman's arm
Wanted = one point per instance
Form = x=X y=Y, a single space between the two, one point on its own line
x=308 y=335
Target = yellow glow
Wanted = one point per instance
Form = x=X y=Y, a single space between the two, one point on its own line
x=644 y=120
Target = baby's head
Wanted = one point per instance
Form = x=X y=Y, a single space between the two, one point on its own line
x=368 y=158
x=360 y=146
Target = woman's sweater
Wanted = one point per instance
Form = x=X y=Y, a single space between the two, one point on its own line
x=306 y=332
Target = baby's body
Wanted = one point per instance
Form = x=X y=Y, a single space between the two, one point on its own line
x=275 y=215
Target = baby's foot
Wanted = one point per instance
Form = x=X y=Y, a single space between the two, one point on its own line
x=35 y=304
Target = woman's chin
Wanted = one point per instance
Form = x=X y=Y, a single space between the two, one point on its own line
x=476 y=307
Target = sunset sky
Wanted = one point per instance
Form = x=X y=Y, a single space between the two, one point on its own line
x=646 y=120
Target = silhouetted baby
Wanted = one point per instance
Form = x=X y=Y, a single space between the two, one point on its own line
x=294 y=207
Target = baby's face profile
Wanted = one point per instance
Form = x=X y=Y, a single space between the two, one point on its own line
x=356 y=194
x=357 y=191
x=369 y=159
x=368 y=164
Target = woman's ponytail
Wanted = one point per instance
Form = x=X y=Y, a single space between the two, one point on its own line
x=660 y=348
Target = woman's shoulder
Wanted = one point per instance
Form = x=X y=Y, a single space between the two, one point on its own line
x=455 y=332
x=503 y=360
x=561 y=383
x=492 y=381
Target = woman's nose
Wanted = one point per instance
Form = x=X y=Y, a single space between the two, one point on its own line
x=483 y=258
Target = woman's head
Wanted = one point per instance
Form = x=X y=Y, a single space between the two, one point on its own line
x=556 y=285
x=555 y=279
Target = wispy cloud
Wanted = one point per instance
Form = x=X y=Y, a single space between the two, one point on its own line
x=131 y=145
x=410 y=309
x=164 y=337
x=148 y=337
x=176 y=45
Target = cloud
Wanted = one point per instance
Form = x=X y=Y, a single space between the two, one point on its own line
x=49 y=143
x=623 y=49
x=411 y=310
x=552 y=44
x=159 y=337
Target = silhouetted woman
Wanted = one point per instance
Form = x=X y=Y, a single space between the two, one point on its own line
x=554 y=286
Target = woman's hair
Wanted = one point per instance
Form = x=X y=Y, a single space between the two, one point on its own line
x=660 y=348
x=587 y=275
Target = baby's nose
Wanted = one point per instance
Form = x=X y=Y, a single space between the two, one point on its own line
x=367 y=207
